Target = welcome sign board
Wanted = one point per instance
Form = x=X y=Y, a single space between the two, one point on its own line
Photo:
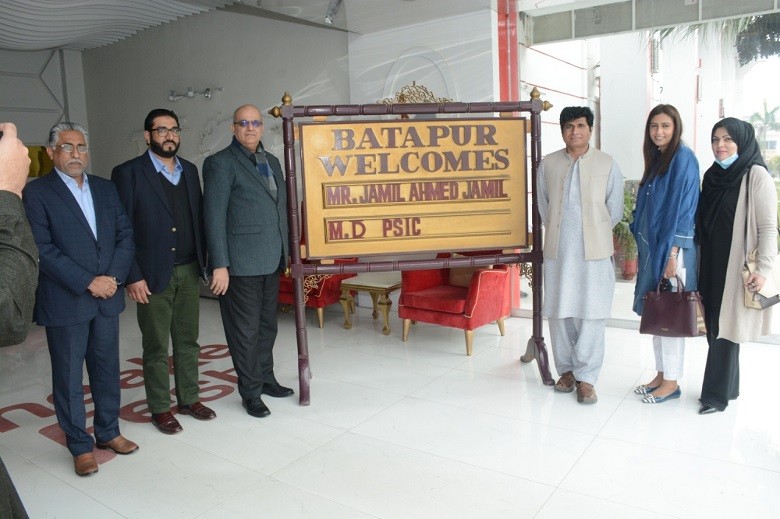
x=404 y=186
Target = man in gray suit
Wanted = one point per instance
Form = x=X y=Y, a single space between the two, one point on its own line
x=245 y=212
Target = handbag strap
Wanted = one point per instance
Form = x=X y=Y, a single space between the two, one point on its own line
x=747 y=211
x=679 y=288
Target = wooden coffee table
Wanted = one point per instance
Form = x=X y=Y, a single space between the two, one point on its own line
x=379 y=285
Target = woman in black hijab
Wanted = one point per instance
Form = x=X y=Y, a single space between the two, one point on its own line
x=737 y=212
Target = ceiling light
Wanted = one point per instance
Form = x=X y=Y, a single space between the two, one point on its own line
x=333 y=9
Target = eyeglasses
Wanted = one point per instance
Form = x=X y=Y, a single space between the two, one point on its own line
x=162 y=131
x=243 y=123
x=68 y=148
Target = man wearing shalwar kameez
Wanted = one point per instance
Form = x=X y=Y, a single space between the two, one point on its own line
x=580 y=195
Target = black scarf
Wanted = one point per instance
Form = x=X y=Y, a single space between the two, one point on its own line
x=718 y=181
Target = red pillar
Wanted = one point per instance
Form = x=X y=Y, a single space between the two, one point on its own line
x=509 y=89
x=507 y=50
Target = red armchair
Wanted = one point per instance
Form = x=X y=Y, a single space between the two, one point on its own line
x=430 y=297
x=319 y=290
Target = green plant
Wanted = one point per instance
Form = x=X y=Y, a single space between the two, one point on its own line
x=621 y=232
x=753 y=37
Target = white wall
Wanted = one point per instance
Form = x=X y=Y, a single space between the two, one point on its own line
x=254 y=60
x=453 y=57
x=719 y=87
x=624 y=100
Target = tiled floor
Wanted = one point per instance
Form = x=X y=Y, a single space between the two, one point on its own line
x=409 y=430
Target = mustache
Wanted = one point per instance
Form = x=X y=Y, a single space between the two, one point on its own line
x=75 y=161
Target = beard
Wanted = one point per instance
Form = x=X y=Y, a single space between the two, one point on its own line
x=158 y=149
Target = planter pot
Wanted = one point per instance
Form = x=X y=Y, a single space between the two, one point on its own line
x=629 y=268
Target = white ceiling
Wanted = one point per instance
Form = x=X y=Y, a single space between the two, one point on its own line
x=85 y=24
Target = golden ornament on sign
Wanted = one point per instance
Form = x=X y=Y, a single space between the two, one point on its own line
x=413 y=93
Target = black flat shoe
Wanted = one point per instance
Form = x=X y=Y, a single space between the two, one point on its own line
x=707 y=409
x=256 y=407
x=277 y=390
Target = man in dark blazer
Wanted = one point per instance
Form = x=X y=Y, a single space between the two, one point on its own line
x=245 y=208
x=161 y=194
x=85 y=244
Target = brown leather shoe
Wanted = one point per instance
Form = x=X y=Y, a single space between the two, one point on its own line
x=197 y=411
x=566 y=383
x=85 y=464
x=120 y=445
x=166 y=423
x=586 y=393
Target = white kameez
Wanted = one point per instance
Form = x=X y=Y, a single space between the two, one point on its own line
x=574 y=287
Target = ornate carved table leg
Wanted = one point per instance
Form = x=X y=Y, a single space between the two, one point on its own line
x=384 y=305
x=347 y=305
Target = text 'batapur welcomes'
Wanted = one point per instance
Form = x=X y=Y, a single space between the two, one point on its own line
x=394 y=187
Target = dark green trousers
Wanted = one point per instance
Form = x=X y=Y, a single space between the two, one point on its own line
x=172 y=313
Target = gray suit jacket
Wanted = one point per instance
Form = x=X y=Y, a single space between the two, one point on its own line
x=246 y=229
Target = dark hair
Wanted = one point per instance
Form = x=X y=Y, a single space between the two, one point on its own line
x=158 y=112
x=575 y=112
x=656 y=161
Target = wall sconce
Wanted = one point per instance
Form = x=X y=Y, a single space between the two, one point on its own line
x=192 y=93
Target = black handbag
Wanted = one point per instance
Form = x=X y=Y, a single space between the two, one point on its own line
x=671 y=314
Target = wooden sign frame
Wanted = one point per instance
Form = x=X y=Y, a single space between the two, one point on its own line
x=535 y=348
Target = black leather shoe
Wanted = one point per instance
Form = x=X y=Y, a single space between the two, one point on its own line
x=277 y=390
x=707 y=409
x=256 y=407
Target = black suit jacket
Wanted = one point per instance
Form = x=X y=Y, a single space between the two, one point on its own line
x=70 y=255
x=150 y=213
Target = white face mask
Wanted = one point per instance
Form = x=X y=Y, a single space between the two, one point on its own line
x=725 y=163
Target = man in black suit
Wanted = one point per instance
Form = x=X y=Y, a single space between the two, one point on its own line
x=162 y=196
x=85 y=244
x=245 y=207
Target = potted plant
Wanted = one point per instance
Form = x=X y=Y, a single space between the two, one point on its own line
x=624 y=240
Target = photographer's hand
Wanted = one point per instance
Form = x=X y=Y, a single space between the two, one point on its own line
x=14 y=161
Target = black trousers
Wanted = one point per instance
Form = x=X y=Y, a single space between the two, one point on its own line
x=721 y=374
x=248 y=311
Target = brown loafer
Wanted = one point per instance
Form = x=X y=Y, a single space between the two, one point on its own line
x=166 y=423
x=566 y=383
x=120 y=445
x=85 y=464
x=586 y=393
x=197 y=411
